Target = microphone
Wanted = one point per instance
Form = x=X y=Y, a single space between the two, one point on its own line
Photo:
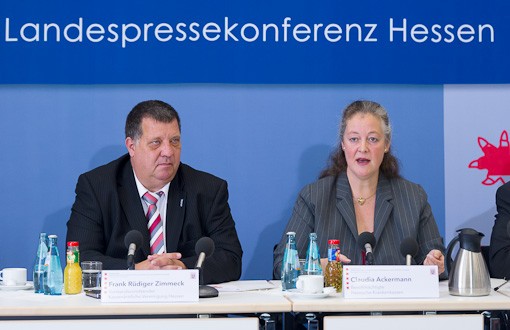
x=204 y=248
x=409 y=248
x=133 y=241
x=366 y=241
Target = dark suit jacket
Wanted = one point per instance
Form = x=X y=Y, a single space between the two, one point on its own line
x=499 y=251
x=326 y=208
x=108 y=205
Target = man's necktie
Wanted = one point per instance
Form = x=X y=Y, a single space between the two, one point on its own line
x=154 y=224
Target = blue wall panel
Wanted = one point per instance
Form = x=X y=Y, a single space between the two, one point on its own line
x=267 y=141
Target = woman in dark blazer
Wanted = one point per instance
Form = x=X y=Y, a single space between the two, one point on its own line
x=362 y=191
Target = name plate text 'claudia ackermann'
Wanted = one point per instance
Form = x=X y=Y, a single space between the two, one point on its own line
x=390 y=282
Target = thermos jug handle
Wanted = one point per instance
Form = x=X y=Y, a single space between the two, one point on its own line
x=449 y=251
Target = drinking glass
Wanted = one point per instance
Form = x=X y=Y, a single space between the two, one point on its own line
x=91 y=271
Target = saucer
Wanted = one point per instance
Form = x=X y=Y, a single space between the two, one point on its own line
x=298 y=294
x=28 y=285
x=311 y=295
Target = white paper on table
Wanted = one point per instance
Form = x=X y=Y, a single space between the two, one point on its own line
x=240 y=286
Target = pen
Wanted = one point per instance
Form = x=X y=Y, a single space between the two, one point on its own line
x=497 y=288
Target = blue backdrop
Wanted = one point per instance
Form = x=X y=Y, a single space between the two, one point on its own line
x=290 y=42
x=266 y=141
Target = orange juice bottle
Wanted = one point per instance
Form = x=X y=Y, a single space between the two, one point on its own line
x=72 y=272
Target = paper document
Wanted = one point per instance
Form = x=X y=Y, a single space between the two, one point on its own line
x=239 y=286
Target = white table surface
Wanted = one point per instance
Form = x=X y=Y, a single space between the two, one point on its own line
x=499 y=300
x=25 y=303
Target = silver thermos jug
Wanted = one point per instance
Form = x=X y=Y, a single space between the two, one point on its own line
x=468 y=274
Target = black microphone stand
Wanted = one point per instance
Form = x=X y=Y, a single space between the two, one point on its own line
x=370 y=258
x=131 y=262
x=205 y=291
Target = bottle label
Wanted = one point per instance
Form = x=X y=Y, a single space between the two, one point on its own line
x=72 y=257
x=333 y=254
x=292 y=258
x=47 y=259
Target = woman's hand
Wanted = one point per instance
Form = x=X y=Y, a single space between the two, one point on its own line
x=343 y=259
x=435 y=257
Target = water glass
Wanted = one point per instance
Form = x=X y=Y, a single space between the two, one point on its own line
x=302 y=263
x=91 y=271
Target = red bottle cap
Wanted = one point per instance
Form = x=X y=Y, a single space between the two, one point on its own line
x=333 y=241
x=73 y=243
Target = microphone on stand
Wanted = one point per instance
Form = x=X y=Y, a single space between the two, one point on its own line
x=366 y=241
x=133 y=241
x=409 y=248
x=204 y=248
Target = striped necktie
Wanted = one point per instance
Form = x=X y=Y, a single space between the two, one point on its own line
x=154 y=223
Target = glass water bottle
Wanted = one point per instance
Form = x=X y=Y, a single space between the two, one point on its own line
x=290 y=266
x=313 y=259
x=40 y=259
x=54 y=274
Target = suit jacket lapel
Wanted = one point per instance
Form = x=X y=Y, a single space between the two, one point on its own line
x=132 y=206
x=175 y=211
x=344 y=203
x=383 y=206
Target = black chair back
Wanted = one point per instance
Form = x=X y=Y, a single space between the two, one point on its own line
x=485 y=254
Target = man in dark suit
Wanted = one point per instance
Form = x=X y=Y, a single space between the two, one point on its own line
x=499 y=251
x=114 y=199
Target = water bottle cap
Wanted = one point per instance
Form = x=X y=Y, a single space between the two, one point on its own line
x=291 y=233
x=333 y=241
x=73 y=243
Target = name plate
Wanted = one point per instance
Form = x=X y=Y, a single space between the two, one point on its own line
x=140 y=286
x=390 y=282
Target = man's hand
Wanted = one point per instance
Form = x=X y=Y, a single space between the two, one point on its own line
x=162 y=261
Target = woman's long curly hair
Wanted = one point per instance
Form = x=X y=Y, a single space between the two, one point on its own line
x=337 y=162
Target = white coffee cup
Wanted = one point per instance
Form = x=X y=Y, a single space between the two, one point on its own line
x=310 y=284
x=13 y=276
